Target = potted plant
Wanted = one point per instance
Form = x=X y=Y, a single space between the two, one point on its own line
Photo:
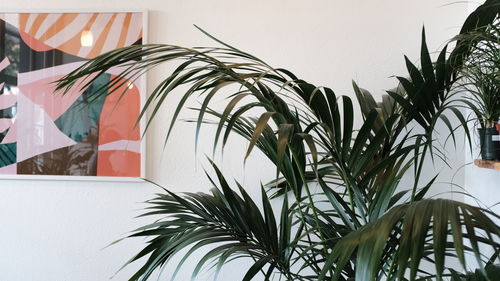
x=481 y=80
x=341 y=215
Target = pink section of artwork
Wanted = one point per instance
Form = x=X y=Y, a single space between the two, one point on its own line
x=35 y=44
x=5 y=62
x=7 y=101
x=42 y=92
x=38 y=131
x=5 y=123
x=11 y=134
x=9 y=170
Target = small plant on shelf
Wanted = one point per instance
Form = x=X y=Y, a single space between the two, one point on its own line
x=481 y=83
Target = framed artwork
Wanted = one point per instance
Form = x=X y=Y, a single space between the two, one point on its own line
x=44 y=133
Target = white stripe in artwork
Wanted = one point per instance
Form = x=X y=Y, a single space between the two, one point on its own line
x=40 y=134
x=30 y=21
x=47 y=22
x=134 y=29
x=114 y=33
x=12 y=19
x=5 y=62
x=129 y=145
x=96 y=29
x=69 y=31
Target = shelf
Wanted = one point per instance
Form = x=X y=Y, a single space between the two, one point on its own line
x=489 y=164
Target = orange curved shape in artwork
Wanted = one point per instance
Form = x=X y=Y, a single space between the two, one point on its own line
x=119 y=115
x=117 y=123
x=118 y=163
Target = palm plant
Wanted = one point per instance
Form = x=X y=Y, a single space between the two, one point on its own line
x=344 y=215
x=492 y=270
x=481 y=73
x=480 y=80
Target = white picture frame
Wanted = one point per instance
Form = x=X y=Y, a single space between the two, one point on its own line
x=142 y=93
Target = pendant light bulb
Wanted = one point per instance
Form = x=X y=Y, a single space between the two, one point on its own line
x=87 y=39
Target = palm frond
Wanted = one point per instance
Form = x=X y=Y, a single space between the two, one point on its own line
x=407 y=230
x=225 y=223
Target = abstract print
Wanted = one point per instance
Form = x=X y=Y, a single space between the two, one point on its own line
x=79 y=133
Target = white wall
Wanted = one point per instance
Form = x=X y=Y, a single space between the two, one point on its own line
x=55 y=230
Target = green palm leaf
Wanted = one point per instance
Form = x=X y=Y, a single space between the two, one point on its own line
x=230 y=222
x=411 y=227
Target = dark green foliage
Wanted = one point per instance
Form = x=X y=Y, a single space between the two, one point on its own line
x=491 y=272
x=8 y=152
x=83 y=115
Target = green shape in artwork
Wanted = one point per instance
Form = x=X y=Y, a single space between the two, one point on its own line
x=8 y=154
x=84 y=113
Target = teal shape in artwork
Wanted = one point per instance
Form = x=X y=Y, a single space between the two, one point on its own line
x=8 y=154
x=84 y=113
